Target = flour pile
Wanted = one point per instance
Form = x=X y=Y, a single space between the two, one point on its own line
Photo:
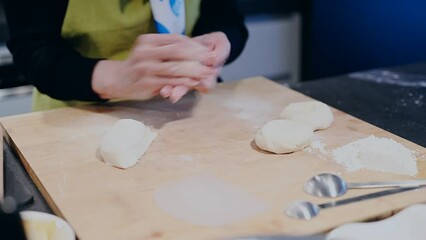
x=380 y=154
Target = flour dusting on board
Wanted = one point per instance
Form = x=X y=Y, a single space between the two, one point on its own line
x=254 y=109
x=316 y=146
x=380 y=154
x=208 y=201
x=84 y=126
x=319 y=146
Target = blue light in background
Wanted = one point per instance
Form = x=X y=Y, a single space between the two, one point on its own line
x=353 y=35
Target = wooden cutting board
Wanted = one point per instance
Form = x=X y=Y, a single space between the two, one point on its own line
x=202 y=134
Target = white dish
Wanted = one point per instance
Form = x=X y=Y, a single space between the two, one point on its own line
x=44 y=226
x=405 y=225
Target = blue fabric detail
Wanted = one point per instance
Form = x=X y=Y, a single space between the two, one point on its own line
x=161 y=28
x=175 y=6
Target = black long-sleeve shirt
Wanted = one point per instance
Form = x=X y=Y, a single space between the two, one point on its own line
x=58 y=70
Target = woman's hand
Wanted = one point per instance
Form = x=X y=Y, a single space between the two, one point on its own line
x=219 y=44
x=156 y=60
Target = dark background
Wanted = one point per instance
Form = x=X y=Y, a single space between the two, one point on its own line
x=343 y=36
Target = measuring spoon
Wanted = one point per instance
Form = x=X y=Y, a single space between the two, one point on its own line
x=308 y=210
x=330 y=185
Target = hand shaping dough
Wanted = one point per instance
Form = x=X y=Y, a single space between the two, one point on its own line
x=283 y=136
x=314 y=113
x=125 y=143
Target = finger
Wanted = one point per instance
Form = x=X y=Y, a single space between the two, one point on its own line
x=157 y=83
x=206 y=41
x=176 y=52
x=206 y=84
x=188 y=69
x=222 y=50
x=178 y=92
x=166 y=91
x=148 y=87
x=221 y=46
x=155 y=39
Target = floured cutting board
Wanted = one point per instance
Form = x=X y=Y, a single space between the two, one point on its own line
x=204 y=146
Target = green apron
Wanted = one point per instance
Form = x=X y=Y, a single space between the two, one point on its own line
x=107 y=29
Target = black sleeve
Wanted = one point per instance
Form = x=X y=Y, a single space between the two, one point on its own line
x=223 y=15
x=40 y=53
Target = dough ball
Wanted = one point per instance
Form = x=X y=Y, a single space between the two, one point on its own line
x=125 y=143
x=283 y=136
x=313 y=113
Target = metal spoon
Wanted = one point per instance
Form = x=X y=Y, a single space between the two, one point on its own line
x=307 y=210
x=330 y=185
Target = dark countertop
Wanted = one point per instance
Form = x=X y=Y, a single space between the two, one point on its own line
x=393 y=99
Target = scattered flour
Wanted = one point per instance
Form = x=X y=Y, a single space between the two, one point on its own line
x=381 y=154
x=253 y=109
x=318 y=148
x=208 y=201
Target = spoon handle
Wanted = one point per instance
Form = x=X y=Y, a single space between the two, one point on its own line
x=408 y=183
x=365 y=197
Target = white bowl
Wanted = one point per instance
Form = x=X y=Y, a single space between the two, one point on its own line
x=40 y=225
x=408 y=224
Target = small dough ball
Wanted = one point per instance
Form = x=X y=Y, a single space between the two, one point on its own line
x=283 y=136
x=125 y=143
x=314 y=113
